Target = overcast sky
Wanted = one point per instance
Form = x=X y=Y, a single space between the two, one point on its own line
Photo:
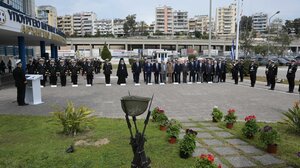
x=145 y=9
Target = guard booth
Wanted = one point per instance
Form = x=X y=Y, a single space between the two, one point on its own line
x=33 y=94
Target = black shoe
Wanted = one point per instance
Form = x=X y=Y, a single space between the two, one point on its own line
x=271 y=89
x=25 y=104
x=290 y=92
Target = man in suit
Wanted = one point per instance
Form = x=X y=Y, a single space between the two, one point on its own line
x=192 y=69
x=163 y=72
x=20 y=83
x=30 y=67
x=148 y=71
x=216 y=72
x=107 y=70
x=291 y=73
x=136 y=70
x=177 y=71
x=156 y=71
x=272 y=72
x=223 y=71
x=209 y=71
x=170 y=71
x=252 y=72
x=185 y=71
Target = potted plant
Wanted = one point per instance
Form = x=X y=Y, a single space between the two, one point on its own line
x=269 y=137
x=250 y=128
x=156 y=112
x=217 y=114
x=163 y=121
x=188 y=144
x=173 y=130
x=206 y=161
x=230 y=118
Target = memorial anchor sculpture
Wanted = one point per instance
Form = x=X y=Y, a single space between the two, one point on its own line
x=134 y=106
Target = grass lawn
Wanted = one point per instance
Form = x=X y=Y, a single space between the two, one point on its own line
x=288 y=147
x=30 y=141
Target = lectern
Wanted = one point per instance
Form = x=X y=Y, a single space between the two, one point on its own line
x=33 y=90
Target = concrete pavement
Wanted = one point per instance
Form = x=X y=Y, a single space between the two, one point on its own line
x=181 y=101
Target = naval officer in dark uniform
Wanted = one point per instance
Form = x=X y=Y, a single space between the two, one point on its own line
x=20 y=83
x=291 y=73
x=252 y=72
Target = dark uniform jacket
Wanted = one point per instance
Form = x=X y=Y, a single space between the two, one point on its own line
x=291 y=73
x=107 y=68
x=19 y=77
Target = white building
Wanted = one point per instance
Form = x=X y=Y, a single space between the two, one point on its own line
x=117 y=27
x=276 y=25
x=201 y=23
x=84 y=23
x=104 y=26
x=164 y=20
x=25 y=6
x=180 y=19
x=47 y=14
x=226 y=20
x=66 y=24
x=260 y=22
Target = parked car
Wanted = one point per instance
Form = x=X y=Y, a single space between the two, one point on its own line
x=263 y=61
x=282 y=61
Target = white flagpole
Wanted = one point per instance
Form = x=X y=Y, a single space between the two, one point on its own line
x=209 y=46
x=237 y=30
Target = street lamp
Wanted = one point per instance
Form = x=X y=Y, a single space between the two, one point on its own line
x=269 y=31
x=134 y=106
x=209 y=45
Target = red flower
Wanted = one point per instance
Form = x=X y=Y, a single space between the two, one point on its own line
x=210 y=158
x=219 y=166
x=248 y=118
x=231 y=111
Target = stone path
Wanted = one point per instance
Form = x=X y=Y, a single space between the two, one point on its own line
x=228 y=150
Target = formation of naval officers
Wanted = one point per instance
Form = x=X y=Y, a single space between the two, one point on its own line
x=172 y=71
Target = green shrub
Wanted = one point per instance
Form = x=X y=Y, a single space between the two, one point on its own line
x=230 y=117
x=131 y=61
x=293 y=118
x=188 y=144
x=73 y=119
x=217 y=114
x=162 y=119
x=173 y=128
x=206 y=161
x=190 y=57
x=269 y=136
x=155 y=113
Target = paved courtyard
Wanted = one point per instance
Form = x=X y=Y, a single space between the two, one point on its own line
x=181 y=101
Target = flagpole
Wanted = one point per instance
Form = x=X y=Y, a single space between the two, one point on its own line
x=237 y=30
x=209 y=46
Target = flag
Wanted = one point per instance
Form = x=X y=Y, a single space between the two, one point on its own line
x=232 y=55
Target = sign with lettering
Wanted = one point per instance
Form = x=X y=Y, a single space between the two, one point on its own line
x=18 y=22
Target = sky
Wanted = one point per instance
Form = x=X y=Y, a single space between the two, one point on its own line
x=145 y=9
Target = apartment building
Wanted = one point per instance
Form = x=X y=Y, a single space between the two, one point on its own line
x=117 y=27
x=260 y=22
x=104 y=26
x=164 y=20
x=226 y=20
x=47 y=14
x=84 y=22
x=201 y=23
x=65 y=24
x=180 y=22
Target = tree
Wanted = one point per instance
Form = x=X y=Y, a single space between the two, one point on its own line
x=261 y=49
x=198 y=34
x=205 y=36
x=247 y=41
x=284 y=40
x=129 y=26
x=105 y=54
x=246 y=24
x=98 y=33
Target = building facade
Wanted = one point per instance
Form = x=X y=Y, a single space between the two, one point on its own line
x=47 y=14
x=84 y=23
x=103 y=27
x=260 y=22
x=201 y=23
x=24 y=6
x=164 y=20
x=180 y=19
x=226 y=20
x=66 y=24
